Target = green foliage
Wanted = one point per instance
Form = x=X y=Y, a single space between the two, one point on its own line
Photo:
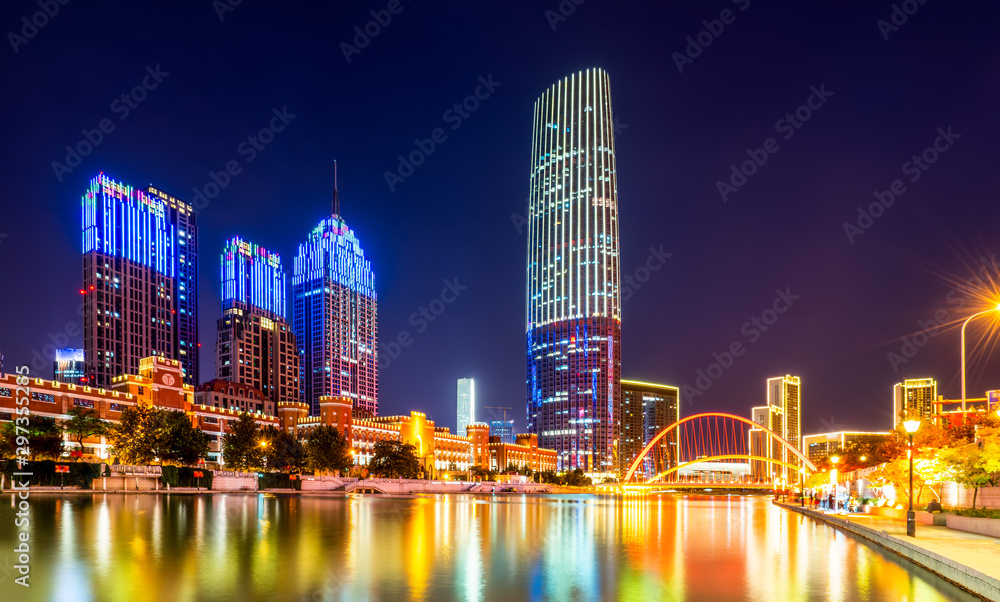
x=975 y=512
x=576 y=478
x=183 y=476
x=178 y=441
x=44 y=438
x=283 y=451
x=81 y=474
x=327 y=450
x=483 y=474
x=549 y=476
x=393 y=459
x=971 y=466
x=145 y=434
x=133 y=439
x=278 y=480
x=83 y=423
x=241 y=449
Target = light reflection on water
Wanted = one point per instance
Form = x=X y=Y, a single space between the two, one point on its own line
x=575 y=547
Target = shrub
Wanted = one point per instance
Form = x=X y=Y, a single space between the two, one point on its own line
x=183 y=476
x=81 y=474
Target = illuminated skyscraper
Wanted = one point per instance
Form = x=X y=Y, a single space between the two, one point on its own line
x=573 y=296
x=646 y=409
x=914 y=398
x=466 y=404
x=133 y=275
x=335 y=317
x=783 y=415
x=256 y=347
x=183 y=217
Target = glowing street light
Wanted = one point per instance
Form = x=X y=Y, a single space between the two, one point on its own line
x=964 y=324
x=911 y=427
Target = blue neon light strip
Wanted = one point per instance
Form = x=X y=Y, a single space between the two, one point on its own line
x=123 y=222
x=252 y=275
x=333 y=251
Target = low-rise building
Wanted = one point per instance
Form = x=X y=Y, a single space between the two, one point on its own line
x=820 y=445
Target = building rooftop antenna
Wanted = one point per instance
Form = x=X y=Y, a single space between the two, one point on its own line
x=336 y=193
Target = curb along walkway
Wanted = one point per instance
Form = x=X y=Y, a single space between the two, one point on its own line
x=969 y=560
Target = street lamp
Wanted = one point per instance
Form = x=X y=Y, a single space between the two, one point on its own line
x=911 y=427
x=964 y=324
x=834 y=477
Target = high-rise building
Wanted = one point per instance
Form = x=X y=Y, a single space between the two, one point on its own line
x=503 y=430
x=783 y=416
x=256 y=347
x=913 y=398
x=465 y=405
x=785 y=392
x=335 y=318
x=184 y=219
x=68 y=366
x=645 y=410
x=131 y=283
x=820 y=445
x=573 y=296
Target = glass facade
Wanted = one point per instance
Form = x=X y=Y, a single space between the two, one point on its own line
x=139 y=272
x=573 y=295
x=335 y=318
x=466 y=404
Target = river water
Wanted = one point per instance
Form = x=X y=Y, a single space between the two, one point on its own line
x=448 y=547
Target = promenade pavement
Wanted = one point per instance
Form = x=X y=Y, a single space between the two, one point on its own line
x=980 y=553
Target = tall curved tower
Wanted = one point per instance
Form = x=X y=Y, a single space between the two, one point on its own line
x=573 y=294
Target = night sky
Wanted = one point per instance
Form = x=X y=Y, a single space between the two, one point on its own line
x=459 y=214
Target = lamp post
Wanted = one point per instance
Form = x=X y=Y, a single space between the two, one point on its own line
x=964 y=324
x=834 y=477
x=911 y=427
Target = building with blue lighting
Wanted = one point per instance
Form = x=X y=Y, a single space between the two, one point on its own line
x=184 y=219
x=134 y=273
x=503 y=430
x=255 y=344
x=335 y=318
x=68 y=366
x=573 y=327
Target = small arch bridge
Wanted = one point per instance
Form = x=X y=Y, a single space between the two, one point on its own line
x=719 y=451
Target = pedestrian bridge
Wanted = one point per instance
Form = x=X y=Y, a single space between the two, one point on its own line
x=718 y=451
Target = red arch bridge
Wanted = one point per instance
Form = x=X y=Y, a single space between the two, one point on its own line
x=718 y=451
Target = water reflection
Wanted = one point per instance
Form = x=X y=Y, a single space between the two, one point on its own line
x=579 y=547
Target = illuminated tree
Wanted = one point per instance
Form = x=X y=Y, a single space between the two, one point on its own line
x=327 y=450
x=83 y=423
x=241 y=447
x=395 y=460
x=283 y=451
x=45 y=438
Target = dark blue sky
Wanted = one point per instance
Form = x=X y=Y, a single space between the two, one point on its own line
x=453 y=218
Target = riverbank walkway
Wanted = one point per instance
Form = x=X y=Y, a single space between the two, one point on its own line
x=969 y=560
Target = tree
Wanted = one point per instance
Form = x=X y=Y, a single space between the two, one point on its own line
x=577 y=478
x=241 y=447
x=327 y=450
x=395 y=459
x=83 y=423
x=177 y=440
x=45 y=438
x=133 y=439
x=146 y=434
x=483 y=474
x=283 y=451
x=549 y=476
